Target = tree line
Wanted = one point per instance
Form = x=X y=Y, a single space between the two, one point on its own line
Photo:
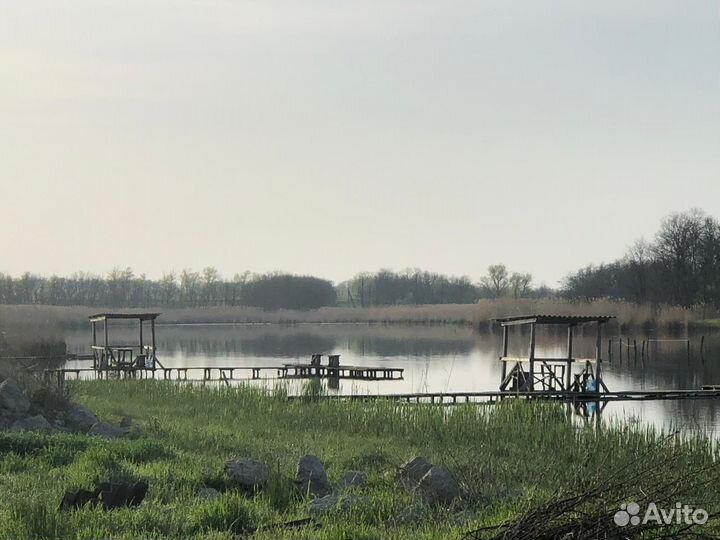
x=122 y=288
x=679 y=266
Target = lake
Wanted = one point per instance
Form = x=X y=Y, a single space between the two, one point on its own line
x=439 y=359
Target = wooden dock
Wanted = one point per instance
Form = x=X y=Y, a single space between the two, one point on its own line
x=450 y=398
x=227 y=373
x=364 y=373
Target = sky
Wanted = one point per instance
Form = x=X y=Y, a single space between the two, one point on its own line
x=331 y=137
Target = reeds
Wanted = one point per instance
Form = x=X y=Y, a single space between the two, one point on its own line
x=478 y=315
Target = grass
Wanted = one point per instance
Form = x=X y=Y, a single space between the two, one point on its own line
x=48 y=318
x=510 y=458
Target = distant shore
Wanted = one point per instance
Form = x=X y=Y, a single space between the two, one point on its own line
x=477 y=315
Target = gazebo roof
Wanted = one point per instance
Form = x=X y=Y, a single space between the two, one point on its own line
x=98 y=317
x=552 y=319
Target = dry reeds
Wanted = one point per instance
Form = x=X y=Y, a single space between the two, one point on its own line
x=478 y=315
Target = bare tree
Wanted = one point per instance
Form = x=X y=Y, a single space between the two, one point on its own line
x=496 y=280
x=519 y=284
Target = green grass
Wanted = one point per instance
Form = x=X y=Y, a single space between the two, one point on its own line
x=510 y=457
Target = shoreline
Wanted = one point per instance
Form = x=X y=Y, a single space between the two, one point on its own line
x=478 y=316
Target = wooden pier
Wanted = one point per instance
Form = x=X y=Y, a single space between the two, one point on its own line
x=226 y=373
x=140 y=361
x=567 y=374
x=491 y=397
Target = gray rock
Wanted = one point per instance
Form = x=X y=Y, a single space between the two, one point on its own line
x=247 y=473
x=341 y=503
x=126 y=422
x=208 y=493
x=33 y=423
x=106 y=431
x=411 y=472
x=311 y=477
x=81 y=418
x=12 y=398
x=438 y=486
x=353 y=479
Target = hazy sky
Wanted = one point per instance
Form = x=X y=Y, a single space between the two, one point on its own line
x=332 y=137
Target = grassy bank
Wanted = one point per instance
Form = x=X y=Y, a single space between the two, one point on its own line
x=35 y=318
x=510 y=459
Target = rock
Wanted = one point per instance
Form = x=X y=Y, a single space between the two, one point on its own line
x=126 y=422
x=353 y=479
x=247 y=473
x=33 y=423
x=438 y=486
x=311 y=477
x=81 y=418
x=109 y=495
x=325 y=504
x=106 y=431
x=78 y=499
x=411 y=472
x=116 y=495
x=208 y=493
x=12 y=398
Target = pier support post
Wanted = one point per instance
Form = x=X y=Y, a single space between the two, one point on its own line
x=504 y=353
x=531 y=356
x=598 y=359
x=570 y=358
x=94 y=344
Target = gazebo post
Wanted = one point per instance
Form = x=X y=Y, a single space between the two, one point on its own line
x=106 y=350
x=504 y=352
x=531 y=356
x=152 y=330
x=598 y=360
x=94 y=344
x=570 y=357
x=141 y=336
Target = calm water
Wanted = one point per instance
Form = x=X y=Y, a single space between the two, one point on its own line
x=437 y=358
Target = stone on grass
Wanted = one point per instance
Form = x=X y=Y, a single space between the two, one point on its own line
x=118 y=494
x=332 y=502
x=249 y=474
x=126 y=422
x=77 y=499
x=81 y=418
x=311 y=477
x=109 y=495
x=12 y=398
x=353 y=479
x=411 y=472
x=438 y=486
x=33 y=423
x=106 y=431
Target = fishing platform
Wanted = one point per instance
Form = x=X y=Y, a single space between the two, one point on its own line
x=566 y=374
x=139 y=360
x=109 y=357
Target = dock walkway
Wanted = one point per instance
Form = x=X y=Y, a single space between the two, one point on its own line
x=228 y=373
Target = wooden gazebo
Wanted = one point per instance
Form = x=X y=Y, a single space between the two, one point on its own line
x=534 y=373
x=123 y=357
